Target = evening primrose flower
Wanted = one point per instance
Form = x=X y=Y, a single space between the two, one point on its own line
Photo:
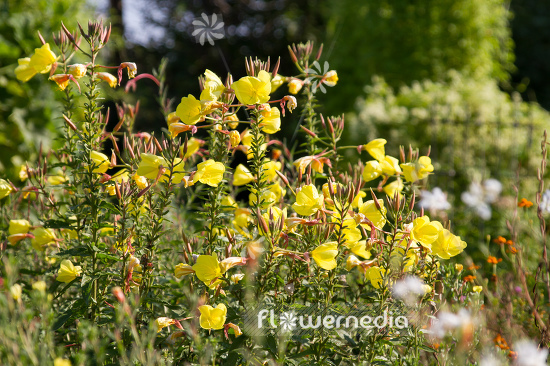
x=209 y=172
x=308 y=201
x=207 y=268
x=163 y=322
x=213 y=86
x=183 y=269
x=358 y=200
x=62 y=362
x=39 y=286
x=212 y=317
x=140 y=181
x=109 y=78
x=376 y=149
x=193 y=145
x=269 y=169
x=100 y=161
x=16 y=291
x=351 y=233
x=477 y=289
x=390 y=165
x=40 y=62
x=417 y=170
x=375 y=275
x=372 y=170
x=19 y=227
x=325 y=255
x=371 y=212
x=150 y=165
x=242 y=176
x=77 y=70
x=447 y=245
x=276 y=82
x=190 y=110
x=253 y=90
x=330 y=78
x=360 y=248
x=271 y=120
x=294 y=86
x=68 y=271
x=42 y=238
x=234 y=138
x=425 y=232
x=62 y=80
x=130 y=67
x=394 y=187
x=5 y=188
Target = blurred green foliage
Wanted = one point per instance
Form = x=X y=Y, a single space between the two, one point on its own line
x=27 y=110
x=403 y=41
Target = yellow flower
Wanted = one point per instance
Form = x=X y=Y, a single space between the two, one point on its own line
x=425 y=232
x=24 y=72
x=141 y=182
x=393 y=188
x=228 y=203
x=269 y=169
x=242 y=176
x=378 y=217
x=477 y=289
x=150 y=165
x=209 y=172
x=212 y=318
x=39 y=286
x=376 y=276
x=190 y=110
x=294 y=86
x=231 y=262
x=417 y=170
x=16 y=291
x=23 y=173
x=213 y=85
x=253 y=90
x=267 y=198
x=358 y=200
x=325 y=255
x=308 y=201
x=376 y=149
x=352 y=262
x=42 y=238
x=242 y=219
x=109 y=78
x=271 y=121
x=163 y=322
x=100 y=162
x=131 y=68
x=57 y=179
x=61 y=362
x=234 y=138
x=447 y=245
x=351 y=233
x=77 y=70
x=19 y=227
x=62 y=80
x=459 y=267
x=68 y=271
x=193 y=145
x=390 y=165
x=172 y=117
x=372 y=170
x=207 y=268
x=237 y=277
x=5 y=188
x=330 y=78
x=277 y=215
x=360 y=248
x=276 y=82
x=183 y=269
x=232 y=121
x=40 y=62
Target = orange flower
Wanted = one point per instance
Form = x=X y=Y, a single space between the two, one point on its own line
x=509 y=242
x=513 y=250
x=493 y=260
x=525 y=203
x=500 y=240
x=501 y=342
x=473 y=267
x=469 y=278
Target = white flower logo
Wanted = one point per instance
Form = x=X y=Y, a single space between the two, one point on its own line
x=288 y=320
x=316 y=69
x=208 y=28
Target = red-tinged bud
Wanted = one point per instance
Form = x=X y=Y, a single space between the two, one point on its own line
x=307 y=257
x=276 y=68
x=323 y=121
x=159 y=148
x=402 y=154
x=378 y=207
x=261 y=221
x=309 y=132
x=330 y=126
x=413 y=198
x=119 y=294
x=69 y=123
x=186 y=257
x=292 y=55
x=115 y=146
x=117 y=191
x=105 y=178
x=283 y=177
x=113 y=159
x=67 y=33
x=319 y=53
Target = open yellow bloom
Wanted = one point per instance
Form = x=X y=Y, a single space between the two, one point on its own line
x=372 y=170
x=68 y=271
x=207 y=268
x=360 y=248
x=376 y=149
x=308 y=201
x=190 y=110
x=242 y=176
x=325 y=255
x=42 y=238
x=163 y=322
x=271 y=121
x=351 y=233
x=16 y=291
x=193 y=145
x=5 y=188
x=358 y=200
x=212 y=318
x=447 y=245
x=213 y=86
x=376 y=276
x=394 y=187
x=477 y=289
x=101 y=162
x=378 y=217
x=417 y=170
x=269 y=169
x=253 y=90
x=209 y=172
x=390 y=165
x=425 y=232
x=40 y=62
x=19 y=227
x=24 y=72
x=109 y=78
x=150 y=165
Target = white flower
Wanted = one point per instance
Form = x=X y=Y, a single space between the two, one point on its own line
x=529 y=354
x=434 y=200
x=489 y=360
x=447 y=322
x=480 y=196
x=545 y=202
x=491 y=190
